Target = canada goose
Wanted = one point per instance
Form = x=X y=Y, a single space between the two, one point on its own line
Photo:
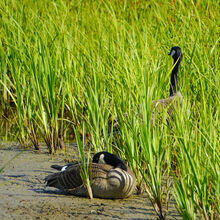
x=168 y=103
x=175 y=95
x=110 y=178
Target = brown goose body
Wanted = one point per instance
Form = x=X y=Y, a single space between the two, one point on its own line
x=167 y=104
x=157 y=106
x=106 y=181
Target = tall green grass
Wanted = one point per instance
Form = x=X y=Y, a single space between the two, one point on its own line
x=69 y=65
x=85 y=165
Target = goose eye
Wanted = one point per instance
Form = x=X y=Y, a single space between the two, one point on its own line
x=172 y=53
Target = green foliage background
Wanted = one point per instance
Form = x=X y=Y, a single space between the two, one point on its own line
x=65 y=64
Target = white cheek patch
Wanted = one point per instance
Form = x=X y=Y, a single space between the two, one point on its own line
x=172 y=53
x=101 y=158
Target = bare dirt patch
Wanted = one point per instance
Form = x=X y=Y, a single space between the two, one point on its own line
x=23 y=194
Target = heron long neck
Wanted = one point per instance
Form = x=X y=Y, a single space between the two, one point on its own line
x=174 y=87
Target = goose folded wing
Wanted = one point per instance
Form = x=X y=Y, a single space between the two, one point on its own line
x=68 y=179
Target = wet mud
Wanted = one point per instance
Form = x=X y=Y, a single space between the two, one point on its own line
x=23 y=194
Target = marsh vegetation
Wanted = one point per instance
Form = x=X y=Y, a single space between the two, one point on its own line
x=69 y=68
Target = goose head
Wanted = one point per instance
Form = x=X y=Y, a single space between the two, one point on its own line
x=176 y=53
x=110 y=159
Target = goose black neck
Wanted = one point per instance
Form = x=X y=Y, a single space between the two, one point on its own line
x=174 y=87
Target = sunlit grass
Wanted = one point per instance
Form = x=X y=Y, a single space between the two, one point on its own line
x=67 y=67
x=84 y=164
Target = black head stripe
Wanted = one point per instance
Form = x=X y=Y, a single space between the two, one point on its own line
x=110 y=159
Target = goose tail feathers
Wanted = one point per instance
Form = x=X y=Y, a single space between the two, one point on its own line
x=56 y=167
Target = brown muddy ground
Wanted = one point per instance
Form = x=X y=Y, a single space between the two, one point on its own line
x=23 y=194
